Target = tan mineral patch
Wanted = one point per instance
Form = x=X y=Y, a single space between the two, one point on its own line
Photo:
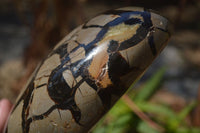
x=47 y=67
x=101 y=20
x=69 y=78
x=85 y=36
x=121 y=32
x=77 y=55
x=41 y=102
x=15 y=121
x=89 y=103
x=97 y=68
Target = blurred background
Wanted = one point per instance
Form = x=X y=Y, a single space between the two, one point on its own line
x=30 y=29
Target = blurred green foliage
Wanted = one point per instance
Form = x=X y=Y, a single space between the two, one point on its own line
x=121 y=119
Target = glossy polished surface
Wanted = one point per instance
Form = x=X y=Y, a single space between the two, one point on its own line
x=88 y=71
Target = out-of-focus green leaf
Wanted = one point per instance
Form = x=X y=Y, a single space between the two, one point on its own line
x=176 y=122
x=117 y=125
x=188 y=130
x=100 y=129
x=143 y=127
x=119 y=109
x=122 y=123
x=150 y=86
x=121 y=119
x=156 y=109
x=186 y=111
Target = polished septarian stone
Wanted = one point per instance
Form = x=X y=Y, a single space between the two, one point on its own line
x=88 y=71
